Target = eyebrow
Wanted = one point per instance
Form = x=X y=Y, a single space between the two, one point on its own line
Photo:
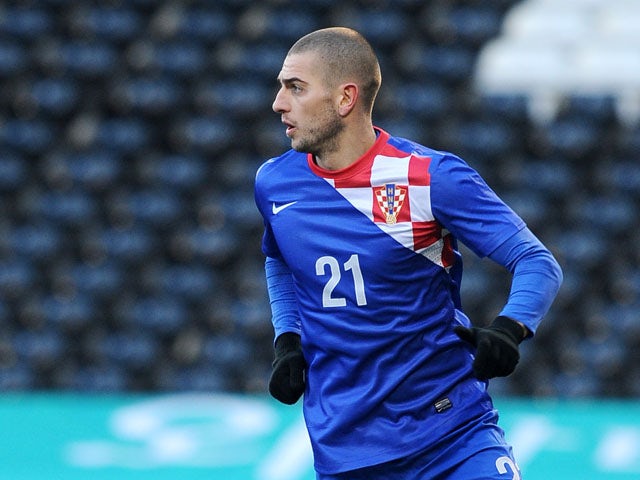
x=289 y=81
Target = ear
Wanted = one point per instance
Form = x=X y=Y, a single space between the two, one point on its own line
x=348 y=98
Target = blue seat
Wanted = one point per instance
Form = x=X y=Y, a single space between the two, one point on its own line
x=481 y=138
x=40 y=348
x=262 y=60
x=298 y=23
x=123 y=135
x=226 y=351
x=241 y=211
x=181 y=58
x=205 y=24
x=191 y=282
x=26 y=22
x=14 y=172
x=99 y=281
x=148 y=207
x=73 y=208
x=28 y=136
x=622 y=176
x=128 y=350
x=97 y=169
x=382 y=28
x=54 y=96
x=571 y=137
x=424 y=100
x=582 y=246
x=13 y=58
x=553 y=177
x=449 y=64
x=217 y=247
x=472 y=25
x=147 y=95
x=68 y=314
x=612 y=213
x=17 y=276
x=95 y=378
x=36 y=241
x=17 y=378
x=199 y=378
x=86 y=59
x=238 y=98
x=204 y=134
x=135 y=244
x=115 y=23
x=162 y=315
x=183 y=172
x=600 y=109
x=511 y=106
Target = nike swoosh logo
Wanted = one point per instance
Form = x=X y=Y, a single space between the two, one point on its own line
x=277 y=210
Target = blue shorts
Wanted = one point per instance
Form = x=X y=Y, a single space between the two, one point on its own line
x=475 y=451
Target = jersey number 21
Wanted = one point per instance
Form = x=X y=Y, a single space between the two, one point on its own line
x=335 y=274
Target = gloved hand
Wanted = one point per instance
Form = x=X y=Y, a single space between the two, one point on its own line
x=496 y=347
x=288 y=376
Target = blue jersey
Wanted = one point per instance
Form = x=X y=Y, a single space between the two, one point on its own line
x=372 y=250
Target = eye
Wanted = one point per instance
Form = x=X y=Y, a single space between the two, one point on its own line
x=295 y=88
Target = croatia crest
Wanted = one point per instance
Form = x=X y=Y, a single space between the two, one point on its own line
x=390 y=198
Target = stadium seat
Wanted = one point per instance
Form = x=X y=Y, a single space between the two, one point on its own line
x=146 y=95
x=86 y=59
x=156 y=208
x=17 y=277
x=89 y=170
x=203 y=133
x=25 y=22
x=96 y=282
x=74 y=208
x=125 y=245
x=213 y=246
x=238 y=98
x=123 y=134
x=94 y=378
x=27 y=136
x=205 y=24
x=13 y=172
x=128 y=350
x=161 y=315
x=55 y=97
x=113 y=23
x=182 y=172
x=36 y=241
x=40 y=348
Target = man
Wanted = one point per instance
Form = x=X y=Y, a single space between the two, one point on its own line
x=363 y=273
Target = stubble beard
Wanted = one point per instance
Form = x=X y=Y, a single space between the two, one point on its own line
x=323 y=137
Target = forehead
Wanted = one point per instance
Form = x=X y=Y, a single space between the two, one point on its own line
x=303 y=66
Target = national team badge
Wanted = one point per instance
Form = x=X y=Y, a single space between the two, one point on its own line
x=390 y=199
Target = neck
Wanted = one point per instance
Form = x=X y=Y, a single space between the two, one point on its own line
x=352 y=145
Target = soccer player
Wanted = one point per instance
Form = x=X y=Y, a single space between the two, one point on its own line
x=363 y=273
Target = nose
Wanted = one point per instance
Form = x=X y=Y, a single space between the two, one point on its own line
x=279 y=104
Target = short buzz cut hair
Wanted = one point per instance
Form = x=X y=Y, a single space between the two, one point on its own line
x=346 y=56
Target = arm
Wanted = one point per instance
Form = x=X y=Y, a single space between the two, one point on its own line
x=536 y=280
x=284 y=307
x=287 y=382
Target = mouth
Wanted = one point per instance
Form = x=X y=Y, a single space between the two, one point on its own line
x=290 y=128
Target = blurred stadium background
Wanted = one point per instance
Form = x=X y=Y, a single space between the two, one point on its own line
x=130 y=132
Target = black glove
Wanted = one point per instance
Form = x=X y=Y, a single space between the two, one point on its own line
x=287 y=378
x=497 y=347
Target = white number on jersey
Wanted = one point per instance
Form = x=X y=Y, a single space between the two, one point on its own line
x=502 y=469
x=352 y=265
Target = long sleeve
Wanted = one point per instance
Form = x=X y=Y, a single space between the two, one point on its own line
x=284 y=307
x=536 y=277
